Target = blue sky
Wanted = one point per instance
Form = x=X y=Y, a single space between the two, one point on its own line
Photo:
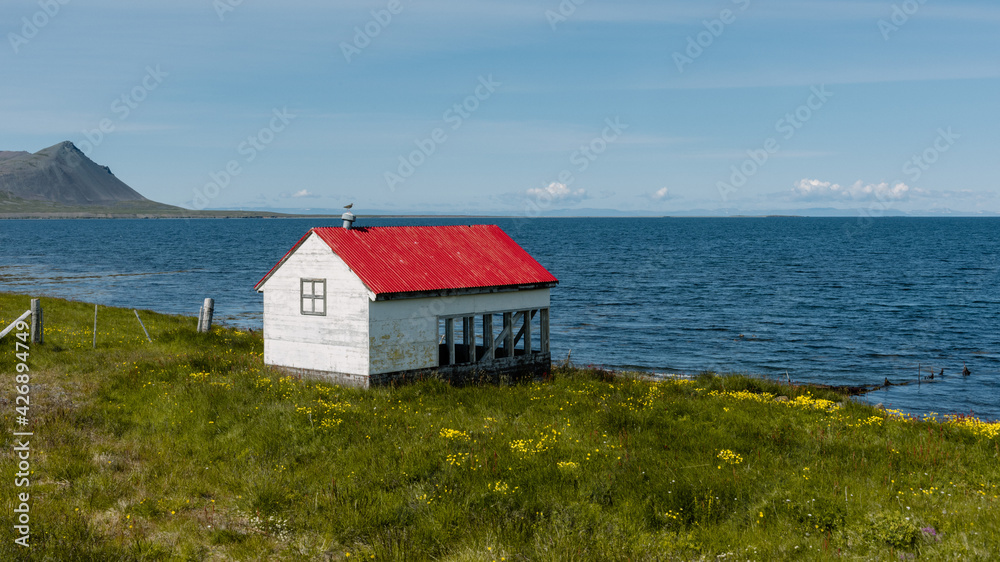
x=518 y=107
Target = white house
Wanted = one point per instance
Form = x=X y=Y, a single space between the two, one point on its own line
x=364 y=306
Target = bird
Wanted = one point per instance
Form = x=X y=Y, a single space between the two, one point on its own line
x=941 y=374
x=349 y=205
x=965 y=370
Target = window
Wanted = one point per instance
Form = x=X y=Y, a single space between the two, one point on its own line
x=313 y=297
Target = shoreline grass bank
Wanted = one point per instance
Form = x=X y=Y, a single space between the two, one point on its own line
x=189 y=448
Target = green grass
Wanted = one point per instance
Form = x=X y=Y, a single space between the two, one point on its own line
x=190 y=448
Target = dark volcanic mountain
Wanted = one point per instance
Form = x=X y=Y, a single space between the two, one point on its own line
x=61 y=174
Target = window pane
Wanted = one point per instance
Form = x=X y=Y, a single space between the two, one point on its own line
x=313 y=297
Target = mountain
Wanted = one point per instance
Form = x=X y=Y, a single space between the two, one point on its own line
x=62 y=174
x=61 y=182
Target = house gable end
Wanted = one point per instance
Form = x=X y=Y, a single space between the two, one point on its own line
x=310 y=257
x=313 y=259
x=322 y=327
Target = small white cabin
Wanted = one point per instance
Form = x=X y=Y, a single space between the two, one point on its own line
x=368 y=306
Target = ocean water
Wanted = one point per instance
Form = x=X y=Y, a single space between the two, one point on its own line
x=825 y=300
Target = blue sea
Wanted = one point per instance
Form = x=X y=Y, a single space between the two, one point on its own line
x=826 y=300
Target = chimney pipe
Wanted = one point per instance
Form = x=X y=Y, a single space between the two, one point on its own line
x=348 y=219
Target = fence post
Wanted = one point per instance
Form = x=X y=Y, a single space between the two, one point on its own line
x=95 y=325
x=37 y=323
x=205 y=318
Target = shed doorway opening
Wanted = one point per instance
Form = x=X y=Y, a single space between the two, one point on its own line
x=484 y=338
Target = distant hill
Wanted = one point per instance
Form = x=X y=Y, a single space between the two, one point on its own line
x=62 y=182
x=62 y=174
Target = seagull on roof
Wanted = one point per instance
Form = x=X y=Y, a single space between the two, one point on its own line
x=349 y=205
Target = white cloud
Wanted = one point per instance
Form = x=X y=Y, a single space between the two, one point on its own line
x=660 y=194
x=300 y=194
x=816 y=190
x=557 y=193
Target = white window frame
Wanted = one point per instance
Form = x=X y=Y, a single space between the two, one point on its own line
x=312 y=297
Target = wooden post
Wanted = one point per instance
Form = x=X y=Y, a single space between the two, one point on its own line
x=519 y=317
x=37 y=323
x=508 y=341
x=143 y=325
x=95 y=326
x=449 y=338
x=543 y=319
x=471 y=334
x=205 y=319
x=488 y=338
x=465 y=335
x=528 y=315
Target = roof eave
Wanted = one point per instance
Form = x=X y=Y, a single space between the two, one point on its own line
x=462 y=291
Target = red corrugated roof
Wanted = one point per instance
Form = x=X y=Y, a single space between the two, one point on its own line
x=404 y=259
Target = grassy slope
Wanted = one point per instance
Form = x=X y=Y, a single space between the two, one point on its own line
x=189 y=448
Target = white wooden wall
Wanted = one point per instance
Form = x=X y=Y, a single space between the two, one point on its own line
x=403 y=334
x=337 y=342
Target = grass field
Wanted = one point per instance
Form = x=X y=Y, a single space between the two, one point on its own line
x=189 y=448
